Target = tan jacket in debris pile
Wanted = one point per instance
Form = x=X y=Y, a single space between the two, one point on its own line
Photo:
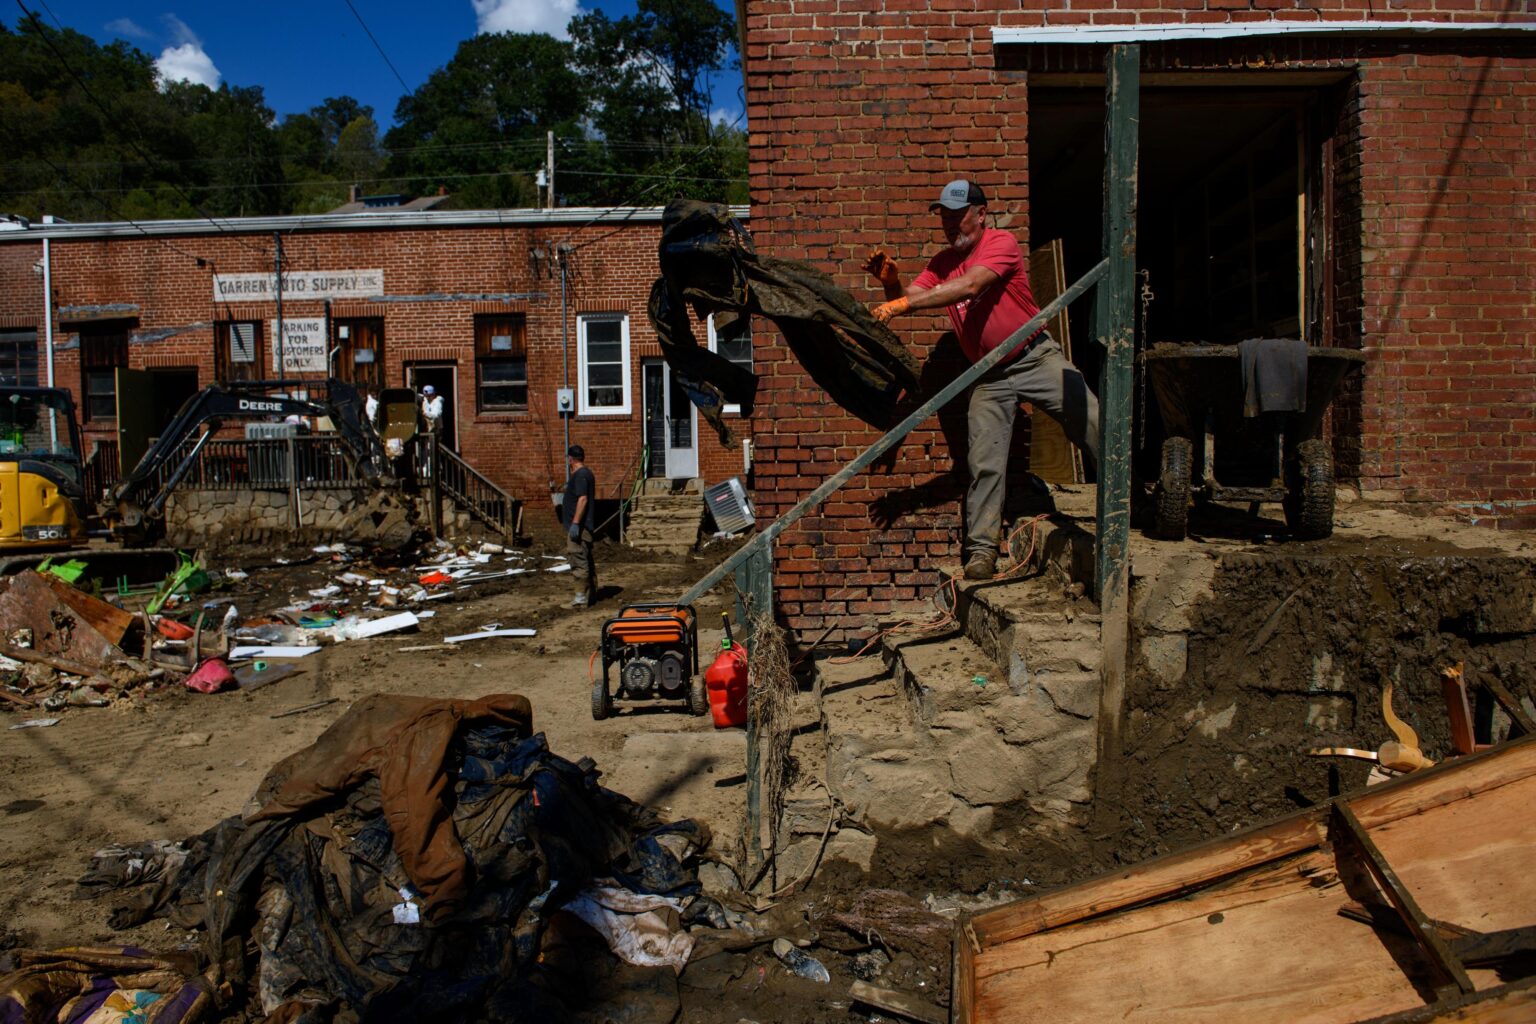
x=404 y=742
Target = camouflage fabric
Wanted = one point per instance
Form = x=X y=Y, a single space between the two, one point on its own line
x=708 y=264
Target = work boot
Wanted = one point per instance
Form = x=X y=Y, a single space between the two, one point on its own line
x=982 y=566
x=580 y=600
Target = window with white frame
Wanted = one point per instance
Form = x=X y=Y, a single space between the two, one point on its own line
x=734 y=342
x=602 y=349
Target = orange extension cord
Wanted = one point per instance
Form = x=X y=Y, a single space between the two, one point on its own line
x=946 y=617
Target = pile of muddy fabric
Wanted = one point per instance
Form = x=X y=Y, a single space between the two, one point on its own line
x=405 y=866
x=708 y=263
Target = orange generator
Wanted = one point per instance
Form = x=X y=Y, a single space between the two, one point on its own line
x=656 y=647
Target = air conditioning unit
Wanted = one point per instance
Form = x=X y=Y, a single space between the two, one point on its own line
x=270 y=431
x=268 y=463
x=728 y=504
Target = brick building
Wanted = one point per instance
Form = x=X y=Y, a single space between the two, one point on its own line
x=499 y=310
x=1357 y=173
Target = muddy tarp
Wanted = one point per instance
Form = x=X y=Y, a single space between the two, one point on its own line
x=318 y=880
x=403 y=742
x=708 y=263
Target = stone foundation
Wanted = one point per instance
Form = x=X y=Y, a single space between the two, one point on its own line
x=355 y=515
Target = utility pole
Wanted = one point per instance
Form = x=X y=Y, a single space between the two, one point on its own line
x=549 y=171
x=282 y=371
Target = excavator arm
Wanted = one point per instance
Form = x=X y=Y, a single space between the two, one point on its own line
x=136 y=502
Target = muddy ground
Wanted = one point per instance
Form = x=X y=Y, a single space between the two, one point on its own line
x=171 y=763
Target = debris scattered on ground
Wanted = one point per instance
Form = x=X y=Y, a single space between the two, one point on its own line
x=487 y=633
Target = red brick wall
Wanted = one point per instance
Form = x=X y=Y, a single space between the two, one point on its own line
x=611 y=270
x=861 y=109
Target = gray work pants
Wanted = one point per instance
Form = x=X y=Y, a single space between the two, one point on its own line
x=1043 y=377
x=583 y=568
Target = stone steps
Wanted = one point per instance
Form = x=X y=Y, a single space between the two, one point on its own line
x=993 y=720
x=665 y=522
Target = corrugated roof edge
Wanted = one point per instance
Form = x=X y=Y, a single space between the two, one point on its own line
x=569 y=216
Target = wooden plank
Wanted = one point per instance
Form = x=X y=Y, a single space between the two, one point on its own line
x=1347 y=831
x=1470 y=863
x=1183 y=870
x=900 y=1004
x=1159 y=878
x=1271 y=947
x=962 y=979
x=1052 y=457
x=1445 y=783
x=1514 y=1003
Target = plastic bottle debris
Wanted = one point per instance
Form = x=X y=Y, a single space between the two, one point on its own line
x=800 y=964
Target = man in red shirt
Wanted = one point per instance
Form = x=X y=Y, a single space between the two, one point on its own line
x=982 y=280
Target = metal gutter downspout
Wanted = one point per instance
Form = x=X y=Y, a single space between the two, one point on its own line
x=565 y=357
x=53 y=427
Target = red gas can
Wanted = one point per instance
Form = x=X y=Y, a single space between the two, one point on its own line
x=726 y=681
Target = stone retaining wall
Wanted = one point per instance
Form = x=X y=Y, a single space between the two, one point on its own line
x=356 y=515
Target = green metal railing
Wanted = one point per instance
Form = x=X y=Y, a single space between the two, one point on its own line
x=445 y=474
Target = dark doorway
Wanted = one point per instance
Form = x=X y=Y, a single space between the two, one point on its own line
x=172 y=389
x=444 y=377
x=1232 y=224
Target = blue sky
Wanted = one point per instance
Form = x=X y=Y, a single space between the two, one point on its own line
x=300 y=53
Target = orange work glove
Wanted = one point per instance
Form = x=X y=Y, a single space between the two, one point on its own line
x=883 y=269
x=895 y=307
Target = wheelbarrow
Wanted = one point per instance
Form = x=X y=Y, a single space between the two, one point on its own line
x=1273 y=457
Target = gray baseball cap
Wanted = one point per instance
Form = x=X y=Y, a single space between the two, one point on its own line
x=959 y=194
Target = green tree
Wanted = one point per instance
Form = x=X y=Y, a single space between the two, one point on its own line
x=477 y=125
x=649 y=74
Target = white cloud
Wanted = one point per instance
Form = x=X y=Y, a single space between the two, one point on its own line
x=550 y=16
x=186 y=61
x=126 y=27
x=726 y=116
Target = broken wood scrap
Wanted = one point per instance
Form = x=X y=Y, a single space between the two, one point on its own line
x=65 y=665
x=901 y=1004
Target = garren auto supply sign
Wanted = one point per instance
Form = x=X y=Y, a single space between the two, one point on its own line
x=303 y=348
x=307 y=284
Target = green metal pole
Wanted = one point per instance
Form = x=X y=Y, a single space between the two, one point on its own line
x=1115 y=311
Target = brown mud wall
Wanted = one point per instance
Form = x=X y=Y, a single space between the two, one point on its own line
x=1282 y=654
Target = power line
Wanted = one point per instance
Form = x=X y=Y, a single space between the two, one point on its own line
x=118 y=215
x=530 y=145
x=376 y=46
x=124 y=190
x=635 y=197
x=42 y=32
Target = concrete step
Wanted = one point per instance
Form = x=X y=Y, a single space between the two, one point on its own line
x=943 y=674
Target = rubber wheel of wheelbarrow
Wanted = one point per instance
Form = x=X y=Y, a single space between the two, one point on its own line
x=1309 y=491
x=1173 y=489
x=602 y=703
x=698 y=698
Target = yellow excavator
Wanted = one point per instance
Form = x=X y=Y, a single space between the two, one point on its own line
x=43 y=504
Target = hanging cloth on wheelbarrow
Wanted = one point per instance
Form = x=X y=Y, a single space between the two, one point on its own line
x=708 y=262
x=1274 y=375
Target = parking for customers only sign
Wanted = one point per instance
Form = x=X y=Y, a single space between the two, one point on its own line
x=299 y=285
x=304 y=346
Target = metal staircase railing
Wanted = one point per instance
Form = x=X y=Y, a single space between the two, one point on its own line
x=448 y=475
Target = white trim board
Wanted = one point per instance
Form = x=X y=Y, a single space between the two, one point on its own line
x=1101 y=34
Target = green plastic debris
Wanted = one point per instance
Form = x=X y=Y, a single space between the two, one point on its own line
x=69 y=571
x=189 y=578
x=980 y=681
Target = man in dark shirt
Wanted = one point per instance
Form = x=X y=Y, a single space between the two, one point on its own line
x=580 y=495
